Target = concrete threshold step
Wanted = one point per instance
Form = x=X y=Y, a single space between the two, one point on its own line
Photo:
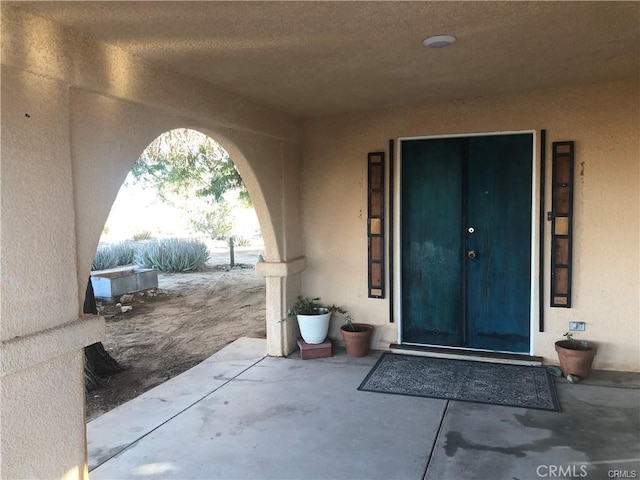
x=473 y=355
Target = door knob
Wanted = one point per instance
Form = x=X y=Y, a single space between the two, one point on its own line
x=472 y=254
x=470 y=230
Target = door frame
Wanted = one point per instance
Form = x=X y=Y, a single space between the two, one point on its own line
x=534 y=309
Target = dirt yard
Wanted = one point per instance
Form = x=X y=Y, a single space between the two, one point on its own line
x=189 y=318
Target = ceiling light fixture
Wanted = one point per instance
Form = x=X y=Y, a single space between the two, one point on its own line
x=439 y=41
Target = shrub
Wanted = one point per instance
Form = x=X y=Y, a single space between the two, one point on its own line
x=103 y=259
x=113 y=255
x=242 y=241
x=124 y=252
x=172 y=255
x=142 y=235
x=215 y=221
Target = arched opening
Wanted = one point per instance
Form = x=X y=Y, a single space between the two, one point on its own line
x=187 y=170
x=109 y=136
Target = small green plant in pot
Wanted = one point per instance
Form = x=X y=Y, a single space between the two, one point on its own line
x=313 y=318
x=575 y=356
x=356 y=336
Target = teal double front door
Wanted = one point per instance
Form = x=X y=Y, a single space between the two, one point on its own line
x=465 y=235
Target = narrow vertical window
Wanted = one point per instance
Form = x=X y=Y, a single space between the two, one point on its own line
x=375 y=224
x=561 y=223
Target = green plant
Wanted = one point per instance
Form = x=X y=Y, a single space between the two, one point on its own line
x=172 y=255
x=352 y=327
x=184 y=160
x=124 y=252
x=242 y=241
x=215 y=221
x=104 y=259
x=142 y=235
x=113 y=255
x=573 y=344
x=311 y=306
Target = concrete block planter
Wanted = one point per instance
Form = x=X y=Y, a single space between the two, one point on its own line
x=110 y=284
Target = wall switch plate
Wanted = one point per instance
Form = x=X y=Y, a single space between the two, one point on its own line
x=577 y=326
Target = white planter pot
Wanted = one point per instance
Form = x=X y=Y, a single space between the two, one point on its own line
x=314 y=328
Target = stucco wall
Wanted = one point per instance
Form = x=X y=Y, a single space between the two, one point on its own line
x=43 y=426
x=75 y=116
x=43 y=220
x=41 y=394
x=603 y=120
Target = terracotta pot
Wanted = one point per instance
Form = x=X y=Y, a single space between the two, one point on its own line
x=576 y=357
x=357 y=343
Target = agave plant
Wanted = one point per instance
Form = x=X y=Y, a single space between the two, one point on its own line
x=172 y=255
x=113 y=255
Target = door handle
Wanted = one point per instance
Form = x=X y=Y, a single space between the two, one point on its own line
x=472 y=254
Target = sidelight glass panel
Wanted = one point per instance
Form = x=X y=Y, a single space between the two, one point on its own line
x=561 y=226
x=561 y=251
x=561 y=199
x=375 y=215
x=562 y=213
x=376 y=248
x=375 y=226
x=562 y=170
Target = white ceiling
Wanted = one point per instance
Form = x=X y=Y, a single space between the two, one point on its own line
x=316 y=58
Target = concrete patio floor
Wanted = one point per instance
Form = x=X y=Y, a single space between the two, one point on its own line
x=242 y=415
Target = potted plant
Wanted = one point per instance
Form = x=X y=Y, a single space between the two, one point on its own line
x=313 y=318
x=357 y=337
x=576 y=356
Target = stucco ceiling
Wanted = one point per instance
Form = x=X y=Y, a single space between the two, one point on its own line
x=316 y=58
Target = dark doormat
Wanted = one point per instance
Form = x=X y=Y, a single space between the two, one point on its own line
x=469 y=381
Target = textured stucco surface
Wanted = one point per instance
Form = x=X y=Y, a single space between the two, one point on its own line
x=25 y=352
x=306 y=57
x=43 y=426
x=75 y=116
x=37 y=207
x=44 y=47
x=602 y=120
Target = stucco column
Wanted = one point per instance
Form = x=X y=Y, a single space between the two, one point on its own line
x=282 y=284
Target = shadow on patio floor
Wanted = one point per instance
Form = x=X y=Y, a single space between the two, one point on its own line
x=240 y=414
